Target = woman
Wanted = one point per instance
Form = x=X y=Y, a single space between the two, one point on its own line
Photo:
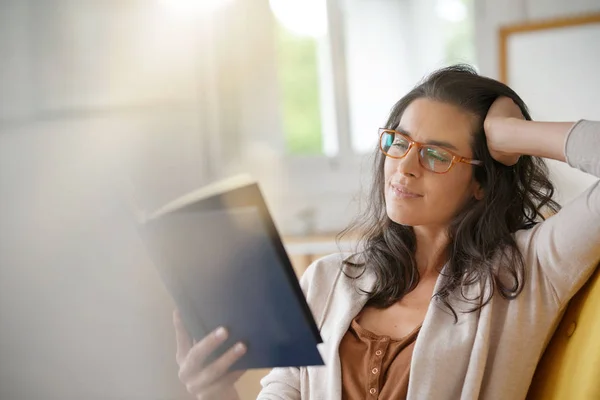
x=461 y=280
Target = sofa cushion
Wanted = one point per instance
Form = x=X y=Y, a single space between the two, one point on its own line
x=570 y=366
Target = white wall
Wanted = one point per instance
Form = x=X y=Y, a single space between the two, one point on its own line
x=491 y=15
x=83 y=315
x=547 y=9
x=15 y=84
x=547 y=80
x=94 y=96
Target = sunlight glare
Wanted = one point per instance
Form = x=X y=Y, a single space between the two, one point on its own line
x=191 y=8
x=451 y=10
x=304 y=18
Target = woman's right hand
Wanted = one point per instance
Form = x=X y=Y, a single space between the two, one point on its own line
x=206 y=382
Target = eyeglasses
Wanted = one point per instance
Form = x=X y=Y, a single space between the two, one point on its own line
x=436 y=159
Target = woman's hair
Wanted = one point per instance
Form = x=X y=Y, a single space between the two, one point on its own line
x=482 y=249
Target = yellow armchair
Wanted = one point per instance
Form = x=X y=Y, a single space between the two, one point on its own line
x=570 y=366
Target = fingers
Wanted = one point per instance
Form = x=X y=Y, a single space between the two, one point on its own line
x=217 y=370
x=195 y=358
x=206 y=381
x=184 y=343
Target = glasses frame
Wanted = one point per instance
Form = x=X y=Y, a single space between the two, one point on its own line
x=411 y=143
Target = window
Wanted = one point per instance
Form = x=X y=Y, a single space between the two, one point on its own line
x=339 y=67
x=390 y=46
x=299 y=28
x=299 y=91
x=457 y=21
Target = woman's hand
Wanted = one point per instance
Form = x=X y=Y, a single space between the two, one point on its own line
x=206 y=382
x=498 y=126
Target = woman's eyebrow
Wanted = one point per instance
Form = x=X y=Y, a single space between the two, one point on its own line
x=431 y=142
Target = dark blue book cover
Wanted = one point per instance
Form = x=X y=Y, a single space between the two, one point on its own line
x=221 y=258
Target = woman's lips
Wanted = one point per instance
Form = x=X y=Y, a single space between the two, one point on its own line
x=403 y=193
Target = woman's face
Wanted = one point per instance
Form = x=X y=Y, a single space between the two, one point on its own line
x=433 y=199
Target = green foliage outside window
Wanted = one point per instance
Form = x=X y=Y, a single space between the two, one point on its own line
x=299 y=92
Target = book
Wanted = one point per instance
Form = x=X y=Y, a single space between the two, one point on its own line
x=221 y=258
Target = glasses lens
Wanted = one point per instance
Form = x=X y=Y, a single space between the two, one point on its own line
x=393 y=144
x=436 y=159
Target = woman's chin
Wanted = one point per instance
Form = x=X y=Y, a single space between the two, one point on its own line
x=404 y=218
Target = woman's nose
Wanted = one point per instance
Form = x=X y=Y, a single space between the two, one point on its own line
x=409 y=164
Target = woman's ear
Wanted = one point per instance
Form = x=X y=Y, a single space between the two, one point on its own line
x=478 y=192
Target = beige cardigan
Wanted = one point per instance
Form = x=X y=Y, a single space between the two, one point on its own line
x=490 y=354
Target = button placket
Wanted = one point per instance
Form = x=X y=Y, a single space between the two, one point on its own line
x=376 y=363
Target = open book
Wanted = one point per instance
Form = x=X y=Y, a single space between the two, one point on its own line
x=222 y=260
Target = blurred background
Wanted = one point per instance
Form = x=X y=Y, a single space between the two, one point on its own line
x=105 y=101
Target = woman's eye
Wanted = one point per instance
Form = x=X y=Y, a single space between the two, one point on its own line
x=401 y=143
x=438 y=155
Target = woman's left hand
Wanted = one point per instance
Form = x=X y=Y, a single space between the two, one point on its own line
x=498 y=129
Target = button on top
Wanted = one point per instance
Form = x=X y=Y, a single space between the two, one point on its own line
x=378 y=352
x=373 y=391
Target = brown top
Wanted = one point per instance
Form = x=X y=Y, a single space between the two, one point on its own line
x=375 y=366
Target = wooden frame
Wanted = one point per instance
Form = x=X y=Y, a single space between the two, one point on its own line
x=506 y=31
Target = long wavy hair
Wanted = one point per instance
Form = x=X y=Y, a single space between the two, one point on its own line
x=482 y=248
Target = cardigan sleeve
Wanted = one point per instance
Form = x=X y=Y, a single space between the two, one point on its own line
x=566 y=247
